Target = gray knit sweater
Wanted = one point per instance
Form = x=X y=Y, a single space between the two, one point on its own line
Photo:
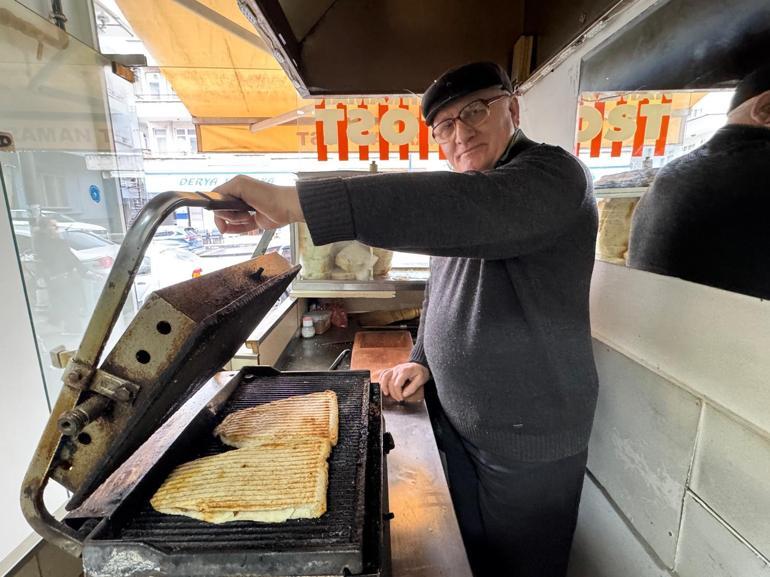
x=505 y=329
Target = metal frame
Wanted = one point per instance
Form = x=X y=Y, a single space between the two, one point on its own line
x=203 y=11
x=264 y=16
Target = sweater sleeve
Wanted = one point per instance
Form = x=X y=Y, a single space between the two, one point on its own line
x=418 y=352
x=500 y=213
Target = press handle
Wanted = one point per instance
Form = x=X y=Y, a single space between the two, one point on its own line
x=127 y=262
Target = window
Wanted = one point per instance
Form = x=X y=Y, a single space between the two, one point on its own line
x=24 y=242
x=187 y=140
x=153 y=83
x=161 y=139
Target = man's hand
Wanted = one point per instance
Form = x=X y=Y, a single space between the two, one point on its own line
x=274 y=206
x=403 y=380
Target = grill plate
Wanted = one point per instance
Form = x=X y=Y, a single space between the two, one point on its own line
x=331 y=543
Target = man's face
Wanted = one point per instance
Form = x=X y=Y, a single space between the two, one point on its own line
x=479 y=147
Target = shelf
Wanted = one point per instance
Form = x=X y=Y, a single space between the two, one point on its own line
x=632 y=192
x=383 y=288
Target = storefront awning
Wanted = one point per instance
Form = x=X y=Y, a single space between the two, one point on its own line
x=220 y=68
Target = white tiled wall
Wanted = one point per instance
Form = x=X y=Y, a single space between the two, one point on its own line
x=642 y=446
x=709 y=548
x=732 y=474
x=676 y=484
x=605 y=545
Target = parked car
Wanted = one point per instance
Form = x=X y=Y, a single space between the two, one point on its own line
x=284 y=250
x=95 y=254
x=178 y=236
x=167 y=265
x=21 y=216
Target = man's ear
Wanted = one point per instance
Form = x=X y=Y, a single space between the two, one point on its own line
x=760 y=110
x=514 y=110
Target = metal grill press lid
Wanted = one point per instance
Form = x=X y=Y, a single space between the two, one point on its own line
x=181 y=336
x=205 y=321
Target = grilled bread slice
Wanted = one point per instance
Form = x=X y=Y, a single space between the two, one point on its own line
x=302 y=416
x=267 y=482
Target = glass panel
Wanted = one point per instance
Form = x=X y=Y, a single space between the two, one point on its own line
x=352 y=261
x=83 y=240
x=77 y=15
x=625 y=139
x=64 y=182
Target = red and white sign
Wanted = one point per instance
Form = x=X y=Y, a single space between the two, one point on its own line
x=620 y=122
x=380 y=123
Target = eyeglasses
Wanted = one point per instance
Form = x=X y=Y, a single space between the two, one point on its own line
x=472 y=114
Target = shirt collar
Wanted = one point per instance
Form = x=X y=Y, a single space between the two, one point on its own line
x=518 y=143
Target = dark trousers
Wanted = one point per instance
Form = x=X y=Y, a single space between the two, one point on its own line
x=517 y=518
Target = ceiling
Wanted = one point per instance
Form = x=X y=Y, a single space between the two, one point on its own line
x=338 y=47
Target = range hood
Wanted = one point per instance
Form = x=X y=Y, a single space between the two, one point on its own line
x=356 y=47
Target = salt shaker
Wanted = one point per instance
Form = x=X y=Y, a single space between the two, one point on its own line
x=308 y=330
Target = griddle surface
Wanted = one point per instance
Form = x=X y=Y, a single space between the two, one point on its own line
x=340 y=527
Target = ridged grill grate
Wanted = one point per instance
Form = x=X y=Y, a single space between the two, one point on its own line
x=341 y=525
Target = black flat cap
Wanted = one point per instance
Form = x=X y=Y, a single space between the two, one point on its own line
x=752 y=85
x=457 y=82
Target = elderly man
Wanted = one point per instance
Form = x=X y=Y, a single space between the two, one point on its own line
x=505 y=330
x=704 y=219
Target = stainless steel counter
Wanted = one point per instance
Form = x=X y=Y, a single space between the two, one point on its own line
x=425 y=538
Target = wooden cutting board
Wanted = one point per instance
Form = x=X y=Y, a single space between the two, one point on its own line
x=378 y=350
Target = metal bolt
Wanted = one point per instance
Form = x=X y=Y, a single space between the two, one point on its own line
x=74 y=377
x=257 y=275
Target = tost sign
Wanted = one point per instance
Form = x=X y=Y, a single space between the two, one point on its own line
x=618 y=122
x=374 y=122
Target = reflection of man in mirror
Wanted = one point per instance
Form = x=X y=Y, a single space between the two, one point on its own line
x=705 y=217
x=62 y=273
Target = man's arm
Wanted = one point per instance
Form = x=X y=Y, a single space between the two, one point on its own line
x=500 y=213
x=404 y=380
x=418 y=352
